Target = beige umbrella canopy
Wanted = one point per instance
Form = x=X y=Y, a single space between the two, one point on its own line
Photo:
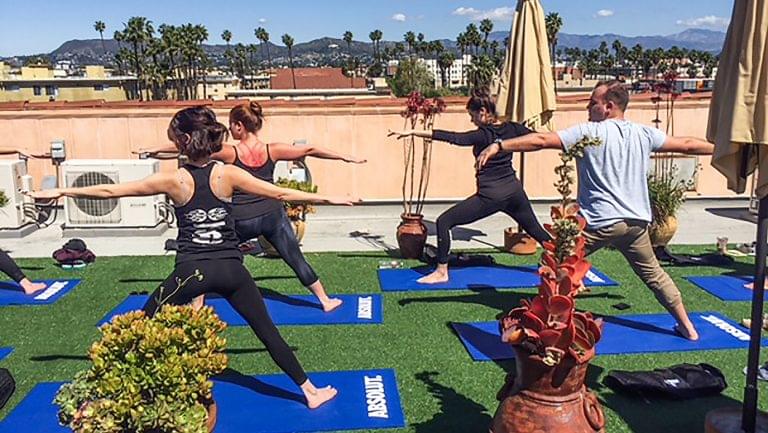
x=737 y=116
x=526 y=90
x=739 y=127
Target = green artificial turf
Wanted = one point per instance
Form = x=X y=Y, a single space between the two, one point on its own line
x=441 y=388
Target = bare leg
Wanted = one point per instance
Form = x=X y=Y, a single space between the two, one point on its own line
x=439 y=275
x=329 y=304
x=30 y=287
x=684 y=326
x=317 y=396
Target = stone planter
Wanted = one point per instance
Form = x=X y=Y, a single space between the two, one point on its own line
x=540 y=398
x=411 y=236
x=662 y=232
x=519 y=243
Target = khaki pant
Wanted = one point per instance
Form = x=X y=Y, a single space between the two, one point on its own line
x=631 y=238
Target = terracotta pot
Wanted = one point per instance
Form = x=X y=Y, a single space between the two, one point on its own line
x=299 y=227
x=411 y=236
x=213 y=414
x=540 y=398
x=519 y=243
x=662 y=232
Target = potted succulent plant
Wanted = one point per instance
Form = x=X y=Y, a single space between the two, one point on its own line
x=297 y=213
x=148 y=375
x=411 y=232
x=553 y=342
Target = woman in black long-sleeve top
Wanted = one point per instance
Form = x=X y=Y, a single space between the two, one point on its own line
x=498 y=188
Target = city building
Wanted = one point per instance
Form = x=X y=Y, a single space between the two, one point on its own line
x=41 y=83
x=456 y=75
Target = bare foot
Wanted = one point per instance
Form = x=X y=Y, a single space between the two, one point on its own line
x=319 y=396
x=198 y=302
x=689 y=334
x=751 y=286
x=435 y=277
x=29 y=287
x=331 y=304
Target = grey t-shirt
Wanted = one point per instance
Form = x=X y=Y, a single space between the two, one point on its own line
x=613 y=182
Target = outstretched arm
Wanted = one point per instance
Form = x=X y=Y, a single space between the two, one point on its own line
x=524 y=143
x=287 y=152
x=689 y=145
x=226 y=154
x=155 y=184
x=469 y=138
x=243 y=181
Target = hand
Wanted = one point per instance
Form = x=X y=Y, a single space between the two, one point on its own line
x=344 y=200
x=488 y=153
x=354 y=160
x=48 y=194
x=399 y=134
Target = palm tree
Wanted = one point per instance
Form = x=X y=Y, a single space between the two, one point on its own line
x=288 y=42
x=444 y=62
x=410 y=39
x=553 y=23
x=99 y=26
x=474 y=39
x=348 y=37
x=486 y=26
x=619 y=49
x=226 y=36
x=263 y=36
x=138 y=33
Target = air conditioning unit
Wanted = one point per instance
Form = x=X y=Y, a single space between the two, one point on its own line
x=13 y=180
x=129 y=212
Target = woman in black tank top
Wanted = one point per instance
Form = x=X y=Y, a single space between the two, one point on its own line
x=263 y=216
x=498 y=189
x=208 y=260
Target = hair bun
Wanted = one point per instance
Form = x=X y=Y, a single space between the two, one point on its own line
x=255 y=107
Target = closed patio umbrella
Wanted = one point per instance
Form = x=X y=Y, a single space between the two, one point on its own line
x=526 y=89
x=738 y=125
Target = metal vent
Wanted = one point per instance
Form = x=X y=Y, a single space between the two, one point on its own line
x=88 y=210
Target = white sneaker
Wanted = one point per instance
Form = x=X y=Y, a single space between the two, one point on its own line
x=762 y=372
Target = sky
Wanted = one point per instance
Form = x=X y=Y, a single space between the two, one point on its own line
x=36 y=26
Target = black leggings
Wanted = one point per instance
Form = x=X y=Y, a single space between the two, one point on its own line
x=230 y=279
x=277 y=229
x=515 y=204
x=9 y=267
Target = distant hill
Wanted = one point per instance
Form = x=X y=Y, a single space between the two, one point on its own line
x=698 y=39
x=332 y=51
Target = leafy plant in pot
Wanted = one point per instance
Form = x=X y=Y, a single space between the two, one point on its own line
x=148 y=375
x=553 y=342
x=297 y=213
x=411 y=232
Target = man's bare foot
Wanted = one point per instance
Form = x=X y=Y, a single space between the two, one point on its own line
x=435 y=277
x=29 y=287
x=318 y=396
x=687 y=333
x=331 y=304
x=198 y=302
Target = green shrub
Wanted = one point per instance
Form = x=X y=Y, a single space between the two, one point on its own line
x=147 y=375
x=667 y=196
x=297 y=210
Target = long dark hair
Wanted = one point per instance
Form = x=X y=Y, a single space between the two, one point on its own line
x=196 y=132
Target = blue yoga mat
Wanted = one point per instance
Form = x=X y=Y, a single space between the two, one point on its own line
x=724 y=287
x=476 y=277
x=5 y=351
x=642 y=333
x=11 y=293
x=286 y=310
x=266 y=404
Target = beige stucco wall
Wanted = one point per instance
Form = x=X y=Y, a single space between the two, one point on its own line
x=356 y=128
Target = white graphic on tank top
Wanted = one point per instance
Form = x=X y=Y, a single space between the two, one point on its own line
x=207 y=225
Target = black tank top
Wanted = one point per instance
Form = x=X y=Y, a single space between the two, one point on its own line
x=247 y=206
x=206 y=225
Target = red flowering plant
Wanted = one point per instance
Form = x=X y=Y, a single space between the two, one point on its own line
x=549 y=325
x=419 y=111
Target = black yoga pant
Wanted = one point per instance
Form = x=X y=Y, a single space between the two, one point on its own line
x=230 y=279
x=9 y=267
x=515 y=204
x=277 y=229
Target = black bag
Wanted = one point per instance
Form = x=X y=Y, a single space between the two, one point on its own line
x=75 y=244
x=7 y=386
x=683 y=381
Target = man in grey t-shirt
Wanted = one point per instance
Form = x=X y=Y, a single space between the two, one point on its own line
x=613 y=188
